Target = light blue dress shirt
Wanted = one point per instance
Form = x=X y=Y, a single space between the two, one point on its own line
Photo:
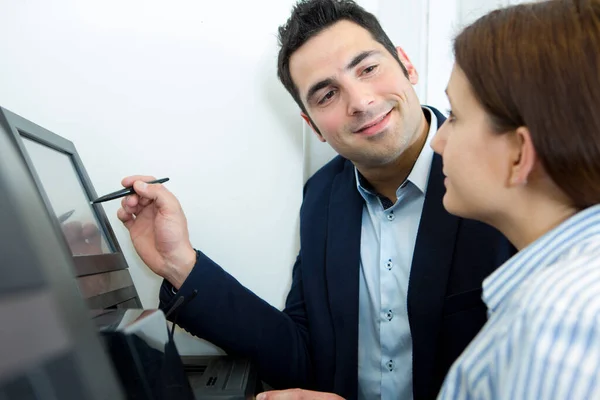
x=388 y=239
x=542 y=338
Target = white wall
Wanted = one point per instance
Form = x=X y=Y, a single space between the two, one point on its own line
x=184 y=89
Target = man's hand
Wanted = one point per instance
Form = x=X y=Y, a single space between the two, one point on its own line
x=158 y=229
x=297 y=394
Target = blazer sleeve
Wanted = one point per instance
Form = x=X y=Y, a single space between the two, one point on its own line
x=232 y=317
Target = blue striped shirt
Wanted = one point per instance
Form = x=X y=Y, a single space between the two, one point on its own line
x=542 y=338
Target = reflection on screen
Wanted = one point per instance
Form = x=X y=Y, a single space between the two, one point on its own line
x=69 y=200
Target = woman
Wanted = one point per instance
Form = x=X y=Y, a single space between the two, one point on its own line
x=521 y=152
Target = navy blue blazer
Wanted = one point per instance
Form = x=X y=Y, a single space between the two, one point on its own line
x=313 y=342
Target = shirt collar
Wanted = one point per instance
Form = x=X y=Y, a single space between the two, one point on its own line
x=545 y=251
x=419 y=175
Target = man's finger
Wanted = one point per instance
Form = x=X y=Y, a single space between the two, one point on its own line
x=132 y=200
x=126 y=218
x=144 y=201
x=160 y=195
x=133 y=210
x=128 y=181
x=290 y=394
x=297 y=394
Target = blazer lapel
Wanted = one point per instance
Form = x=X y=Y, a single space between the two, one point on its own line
x=342 y=272
x=431 y=265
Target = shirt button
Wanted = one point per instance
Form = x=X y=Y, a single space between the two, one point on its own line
x=390 y=217
x=389 y=315
x=390 y=365
x=389 y=264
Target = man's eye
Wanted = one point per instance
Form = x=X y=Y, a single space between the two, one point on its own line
x=327 y=96
x=369 y=69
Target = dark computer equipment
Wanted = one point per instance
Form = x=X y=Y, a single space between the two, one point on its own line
x=150 y=368
x=50 y=337
x=144 y=354
x=49 y=348
x=58 y=172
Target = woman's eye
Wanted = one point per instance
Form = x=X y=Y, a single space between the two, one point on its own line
x=451 y=117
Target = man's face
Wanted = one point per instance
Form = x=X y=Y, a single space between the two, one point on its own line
x=357 y=95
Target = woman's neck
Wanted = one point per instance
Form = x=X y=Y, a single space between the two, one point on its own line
x=525 y=224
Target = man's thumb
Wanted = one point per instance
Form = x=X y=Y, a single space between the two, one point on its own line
x=141 y=188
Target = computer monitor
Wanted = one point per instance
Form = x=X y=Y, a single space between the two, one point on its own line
x=67 y=192
x=49 y=347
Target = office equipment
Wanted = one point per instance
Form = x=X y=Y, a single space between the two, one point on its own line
x=222 y=377
x=67 y=191
x=48 y=345
x=144 y=354
x=150 y=368
x=124 y=192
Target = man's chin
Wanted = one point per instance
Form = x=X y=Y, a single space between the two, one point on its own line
x=376 y=160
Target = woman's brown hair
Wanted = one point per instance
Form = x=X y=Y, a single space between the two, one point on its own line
x=538 y=65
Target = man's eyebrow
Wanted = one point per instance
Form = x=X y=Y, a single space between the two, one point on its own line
x=356 y=60
x=326 y=82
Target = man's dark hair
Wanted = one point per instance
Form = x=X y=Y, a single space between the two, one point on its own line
x=308 y=19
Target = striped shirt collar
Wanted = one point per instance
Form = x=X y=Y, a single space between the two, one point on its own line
x=543 y=252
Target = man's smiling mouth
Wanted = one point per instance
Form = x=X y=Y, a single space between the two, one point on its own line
x=372 y=123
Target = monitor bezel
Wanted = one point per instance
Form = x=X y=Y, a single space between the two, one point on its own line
x=84 y=264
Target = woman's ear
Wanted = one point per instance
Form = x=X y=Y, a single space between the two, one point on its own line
x=524 y=157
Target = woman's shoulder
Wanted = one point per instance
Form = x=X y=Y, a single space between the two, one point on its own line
x=572 y=283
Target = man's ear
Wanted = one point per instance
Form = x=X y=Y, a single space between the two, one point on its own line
x=524 y=159
x=309 y=122
x=413 y=75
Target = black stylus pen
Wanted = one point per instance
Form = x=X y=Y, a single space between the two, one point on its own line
x=124 y=192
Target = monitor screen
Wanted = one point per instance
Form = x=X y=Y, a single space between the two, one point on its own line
x=59 y=174
x=68 y=199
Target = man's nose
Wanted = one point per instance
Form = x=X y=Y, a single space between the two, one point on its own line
x=360 y=97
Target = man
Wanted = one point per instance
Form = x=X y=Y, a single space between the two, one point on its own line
x=386 y=287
